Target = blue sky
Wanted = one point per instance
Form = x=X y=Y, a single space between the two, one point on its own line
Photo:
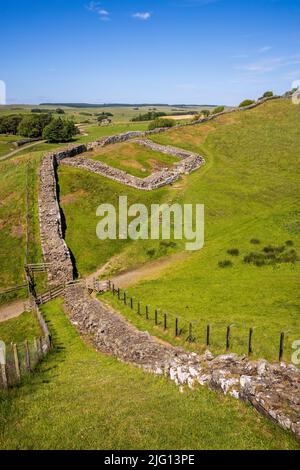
x=170 y=51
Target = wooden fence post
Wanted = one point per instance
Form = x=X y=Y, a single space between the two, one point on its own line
x=147 y=312
x=281 y=347
x=131 y=303
x=165 y=322
x=40 y=344
x=4 y=376
x=190 y=333
x=208 y=335
x=228 y=339
x=250 y=349
x=119 y=294
x=139 y=308
x=125 y=298
x=27 y=356
x=176 y=327
x=156 y=317
x=16 y=361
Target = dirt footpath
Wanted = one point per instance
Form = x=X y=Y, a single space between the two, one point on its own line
x=12 y=310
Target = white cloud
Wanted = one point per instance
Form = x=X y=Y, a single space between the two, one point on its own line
x=96 y=7
x=269 y=65
x=264 y=49
x=142 y=15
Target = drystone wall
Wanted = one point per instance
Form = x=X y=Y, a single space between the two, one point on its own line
x=55 y=250
x=274 y=390
x=189 y=162
x=154 y=181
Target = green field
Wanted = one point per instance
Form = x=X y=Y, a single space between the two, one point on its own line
x=79 y=399
x=250 y=190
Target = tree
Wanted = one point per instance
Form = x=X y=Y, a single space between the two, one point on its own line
x=157 y=123
x=32 y=125
x=9 y=124
x=218 y=110
x=59 y=111
x=59 y=130
x=245 y=103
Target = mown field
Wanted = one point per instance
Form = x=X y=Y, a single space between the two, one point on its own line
x=250 y=190
x=79 y=399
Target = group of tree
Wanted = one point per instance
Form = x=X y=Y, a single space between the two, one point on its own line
x=267 y=94
x=38 y=125
x=150 y=116
x=159 y=123
x=48 y=111
x=59 y=130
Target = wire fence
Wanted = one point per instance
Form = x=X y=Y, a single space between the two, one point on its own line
x=20 y=359
x=221 y=337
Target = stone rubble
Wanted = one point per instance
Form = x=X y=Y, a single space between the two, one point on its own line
x=274 y=390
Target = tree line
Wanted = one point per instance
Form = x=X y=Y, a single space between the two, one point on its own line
x=38 y=125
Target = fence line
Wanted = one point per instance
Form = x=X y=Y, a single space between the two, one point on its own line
x=182 y=327
x=21 y=359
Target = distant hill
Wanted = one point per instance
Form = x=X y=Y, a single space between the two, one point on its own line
x=115 y=105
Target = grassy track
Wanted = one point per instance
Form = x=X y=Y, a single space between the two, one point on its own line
x=80 y=399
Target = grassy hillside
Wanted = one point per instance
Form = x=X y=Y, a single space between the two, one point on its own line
x=80 y=399
x=19 y=329
x=250 y=190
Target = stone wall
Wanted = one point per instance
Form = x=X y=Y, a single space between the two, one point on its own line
x=54 y=247
x=154 y=181
x=274 y=390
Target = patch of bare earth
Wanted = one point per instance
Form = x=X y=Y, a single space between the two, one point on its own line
x=17 y=231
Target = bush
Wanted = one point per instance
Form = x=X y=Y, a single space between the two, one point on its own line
x=233 y=252
x=158 y=123
x=246 y=103
x=289 y=243
x=59 y=131
x=59 y=111
x=255 y=241
x=151 y=252
x=206 y=112
x=268 y=94
x=218 y=110
x=225 y=264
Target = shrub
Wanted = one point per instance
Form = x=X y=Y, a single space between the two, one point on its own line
x=157 y=123
x=59 y=111
x=206 y=112
x=151 y=252
x=289 y=243
x=245 y=103
x=59 y=131
x=268 y=94
x=255 y=241
x=233 y=252
x=218 y=110
x=225 y=264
